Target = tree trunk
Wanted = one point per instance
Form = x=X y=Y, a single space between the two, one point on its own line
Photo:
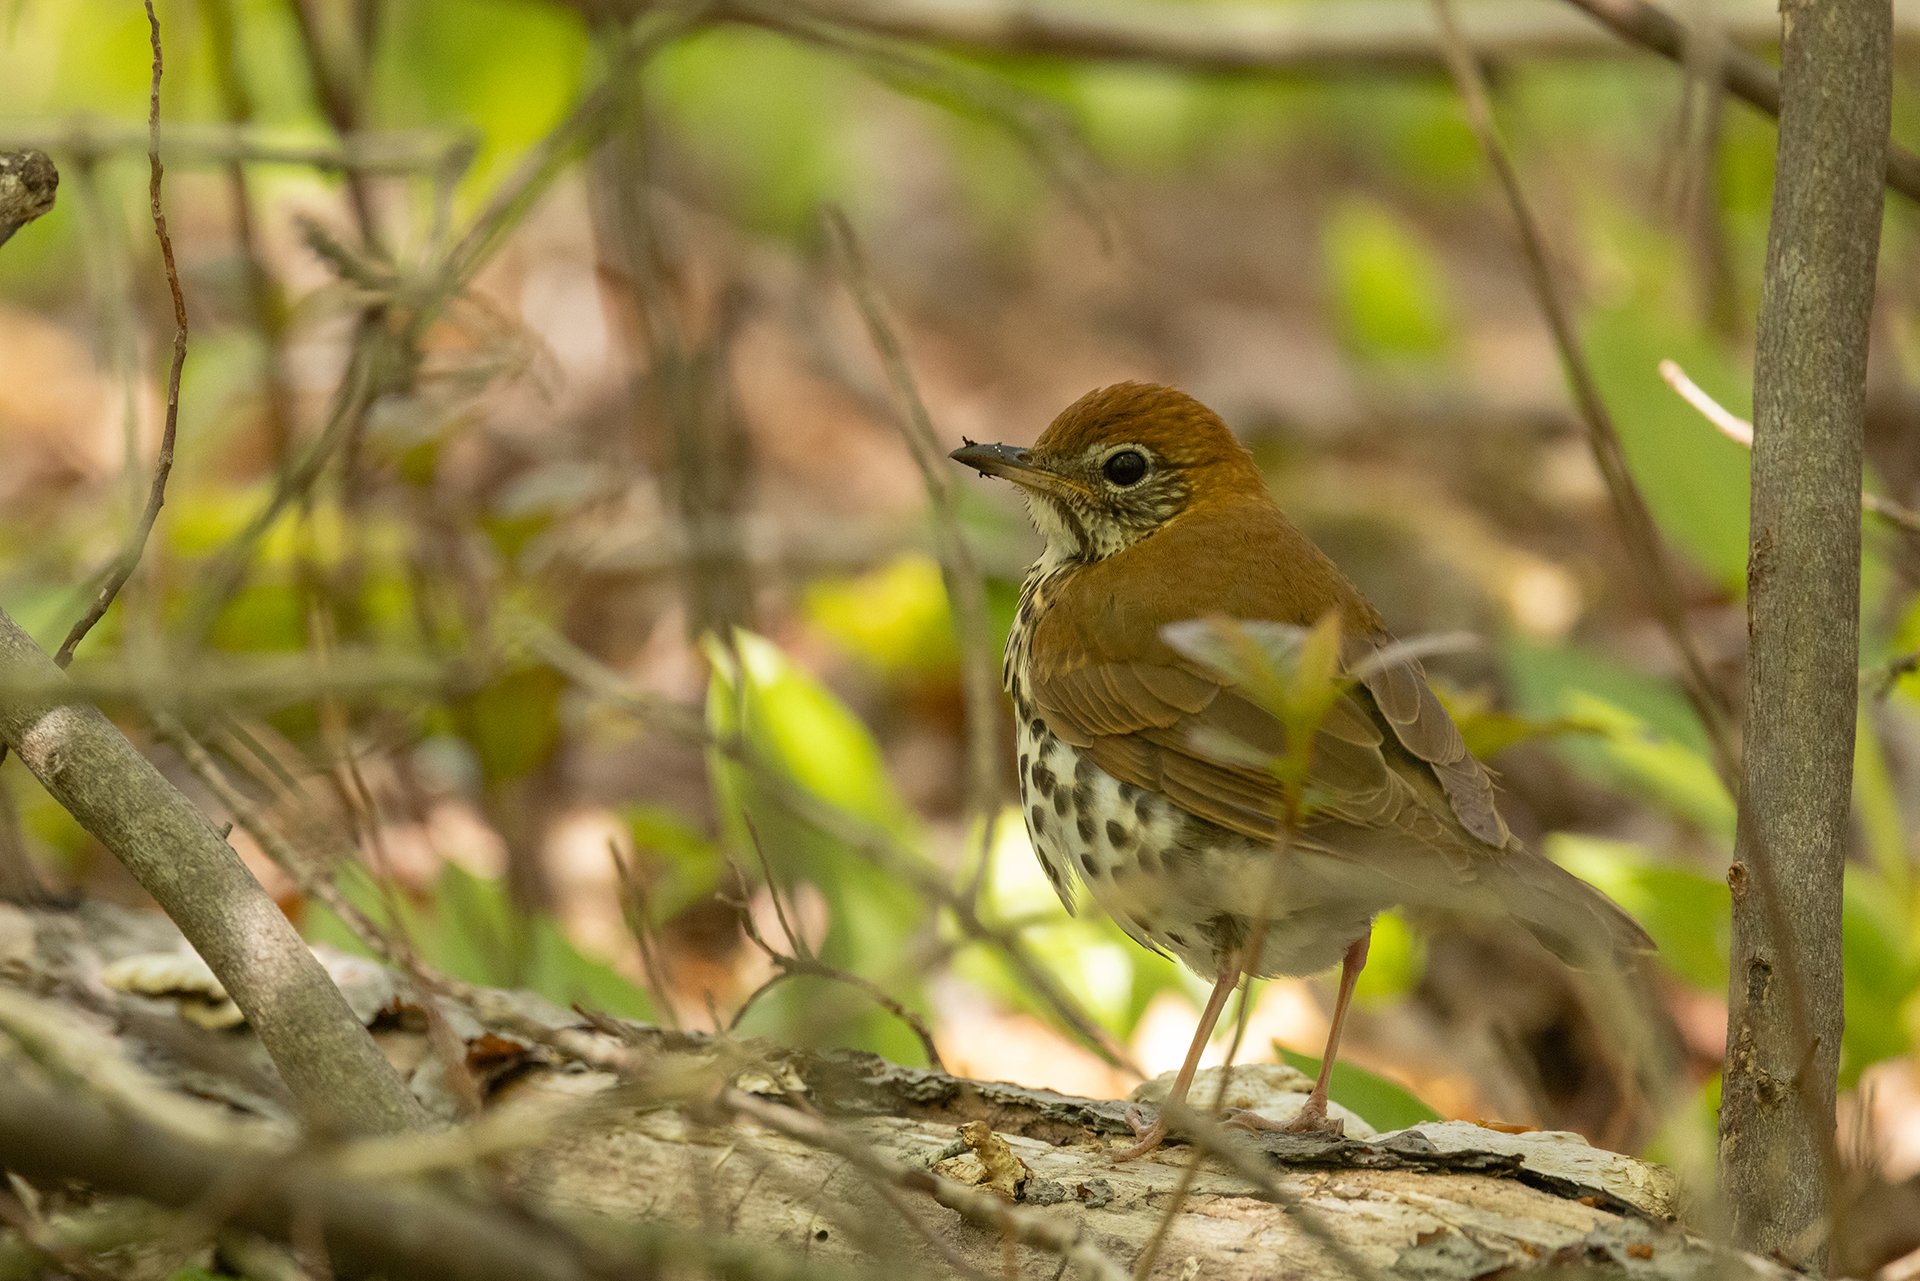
x=1803 y=572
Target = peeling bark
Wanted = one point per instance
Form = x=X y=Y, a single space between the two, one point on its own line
x=1436 y=1202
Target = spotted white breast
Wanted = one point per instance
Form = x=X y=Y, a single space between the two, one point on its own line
x=1173 y=881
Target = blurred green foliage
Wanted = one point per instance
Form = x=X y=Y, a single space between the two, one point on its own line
x=466 y=925
x=785 y=744
x=1383 y=1104
x=1392 y=198
x=1388 y=292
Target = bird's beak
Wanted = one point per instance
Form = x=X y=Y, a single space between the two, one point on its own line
x=1010 y=462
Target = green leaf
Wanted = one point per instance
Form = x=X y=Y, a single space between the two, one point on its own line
x=470 y=928
x=1389 y=292
x=1396 y=958
x=806 y=748
x=1646 y=763
x=664 y=839
x=513 y=722
x=1643 y=736
x=1881 y=974
x=894 y=618
x=1379 y=1102
x=1111 y=976
x=1687 y=913
x=1694 y=479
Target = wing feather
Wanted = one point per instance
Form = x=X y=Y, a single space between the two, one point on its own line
x=1386 y=756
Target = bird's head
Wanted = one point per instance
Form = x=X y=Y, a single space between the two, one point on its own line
x=1120 y=463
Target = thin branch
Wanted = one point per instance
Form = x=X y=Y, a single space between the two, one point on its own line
x=129 y=558
x=339 y=100
x=269 y=315
x=591 y=119
x=1740 y=432
x=966 y=588
x=379 y=1227
x=1725 y=421
x=324 y=1054
x=399 y=152
x=1643 y=540
x=790 y=966
x=1354 y=36
x=1744 y=75
x=28 y=183
x=871 y=844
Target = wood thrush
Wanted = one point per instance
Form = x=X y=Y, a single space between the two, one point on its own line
x=1154 y=514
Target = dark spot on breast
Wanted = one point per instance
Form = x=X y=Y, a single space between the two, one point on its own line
x=1023 y=765
x=1117 y=836
x=1084 y=825
x=1062 y=799
x=1042 y=779
x=1037 y=819
x=1086 y=865
x=1127 y=790
x=1083 y=770
x=1037 y=727
x=1141 y=804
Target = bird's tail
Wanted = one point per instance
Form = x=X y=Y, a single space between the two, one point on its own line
x=1570 y=918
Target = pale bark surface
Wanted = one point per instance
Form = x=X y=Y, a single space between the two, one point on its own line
x=323 y=1053
x=1783 y=1035
x=1436 y=1202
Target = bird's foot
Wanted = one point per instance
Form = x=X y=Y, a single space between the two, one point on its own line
x=1310 y=1119
x=1151 y=1133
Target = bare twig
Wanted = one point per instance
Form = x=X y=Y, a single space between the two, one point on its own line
x=597 y=112
x=129 y=558
x=966 y=588
x=1725 y=421
x=265 y=682
x=337 y=92
x=793 y=966
x=1041 y=129
x=1365 y=36
x=1740 y=432
x=378 y=1227
x=401 y=152
x=871 y=844
x=1744 y=75
x=269 y=316
x=1643 y=540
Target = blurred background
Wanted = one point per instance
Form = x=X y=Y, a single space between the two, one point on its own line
x=546 y=556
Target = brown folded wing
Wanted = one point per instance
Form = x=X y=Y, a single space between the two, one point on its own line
x=1386 y=756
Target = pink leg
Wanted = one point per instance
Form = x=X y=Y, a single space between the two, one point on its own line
x=1152 y=1135
x=1313 y=1116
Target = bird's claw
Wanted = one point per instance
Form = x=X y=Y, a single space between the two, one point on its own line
x=1310 y=1119
x=1151 y=1133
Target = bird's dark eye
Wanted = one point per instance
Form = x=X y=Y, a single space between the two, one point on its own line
x=1125 y=467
